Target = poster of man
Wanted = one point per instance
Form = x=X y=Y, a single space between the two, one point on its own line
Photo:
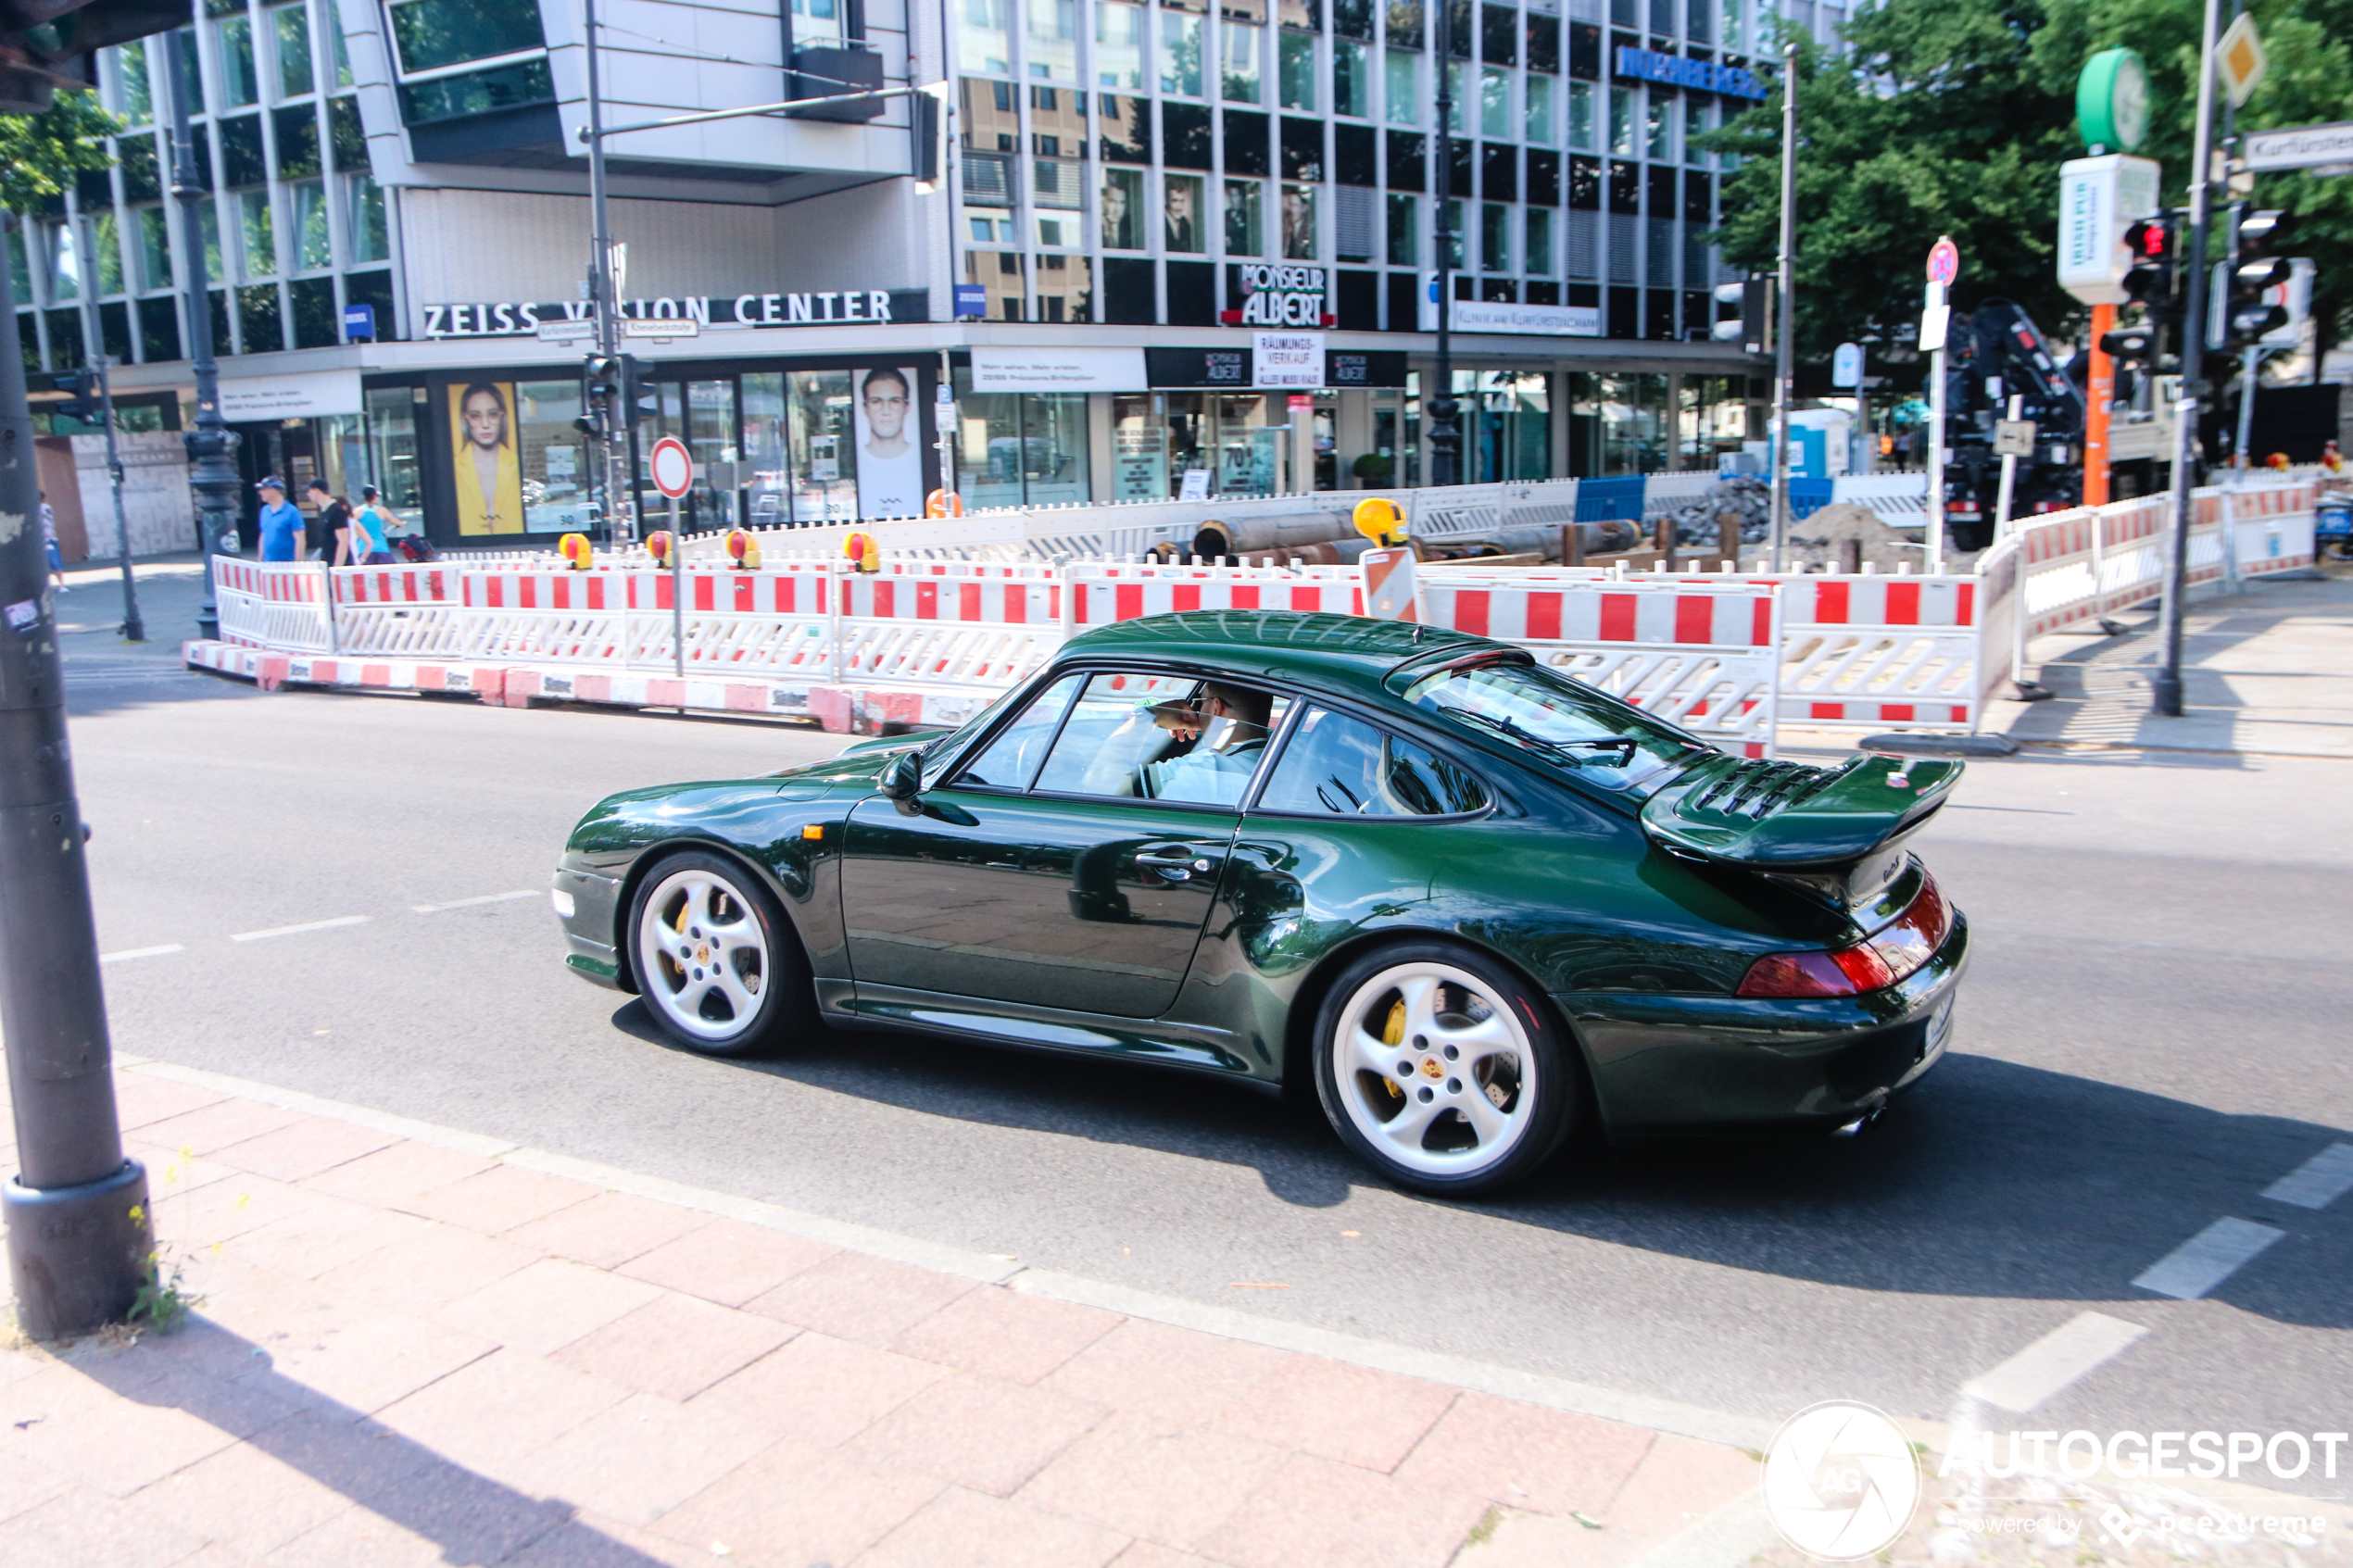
x=890 y=456
x=484 y=463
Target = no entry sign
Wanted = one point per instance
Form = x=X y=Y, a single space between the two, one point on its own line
x=674 y=466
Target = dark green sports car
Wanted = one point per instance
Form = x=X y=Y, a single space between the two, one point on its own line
x=1482 y=907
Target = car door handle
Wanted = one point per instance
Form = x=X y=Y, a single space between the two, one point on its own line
x=1175 y=862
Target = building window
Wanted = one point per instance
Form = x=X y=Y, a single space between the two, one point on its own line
x=1180 y=48
x=1659 y=127
x=1621 y=121
x=1352 y=79
x=1401 y=88
x=1123 y=209
x=1450 y=214
x=1694 y=127
x=107 y=242
x=232 y=39
x=290 y=30
x=1581 y=116
x=434 y=39
x=1119 y=47
x=133 y=94
x=365 y=232
x=1458 y=112
x=1735 y=38
x=312 y=251
x=258 y=235
x=1052 y=46
x=1496 y=237
x=1238 y=61
x=1182 y=214
x=1020 y=448
x=1299 y=223
x=1298 y=69
x=1494 y=103
x=816 y=24
x=981 y=42
x=155 y=250
x=1540 y=243
x=1243 y=201
x=1537 y=121
x=1404 y=231
x=60 y=263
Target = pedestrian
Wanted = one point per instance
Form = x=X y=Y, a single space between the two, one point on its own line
x=360 y=541
x=49 y=543
x=2331 y=458
x=281 y=521
x=318 y=531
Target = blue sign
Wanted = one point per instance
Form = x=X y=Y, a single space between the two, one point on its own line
x=359 y=323
x=1648 y=65
x=972 y=299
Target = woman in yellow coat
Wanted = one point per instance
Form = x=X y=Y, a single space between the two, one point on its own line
x=489 y=473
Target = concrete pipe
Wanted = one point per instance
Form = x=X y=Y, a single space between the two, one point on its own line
x=1251 y=536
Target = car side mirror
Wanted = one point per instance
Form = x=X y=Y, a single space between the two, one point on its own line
x=903 y=781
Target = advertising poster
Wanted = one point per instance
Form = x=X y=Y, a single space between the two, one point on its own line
x=483 y=460
x=890 y=453
x=1139 y=465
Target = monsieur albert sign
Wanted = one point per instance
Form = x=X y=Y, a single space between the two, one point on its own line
x=744 y=312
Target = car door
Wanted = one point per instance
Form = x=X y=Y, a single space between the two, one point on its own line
x=1070 y=864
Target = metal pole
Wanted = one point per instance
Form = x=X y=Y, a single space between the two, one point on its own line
x=212 y=444
x=2250 y=373
x=2009 y=473
x=1785 y=326
x=619 y=521
x=1444 y=435
x=2165 y=685
x=678 y=596
x=134 y=630
x=79 y=1243
x=1937 y=297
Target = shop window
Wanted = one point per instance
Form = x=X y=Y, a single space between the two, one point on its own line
x=1020 y=448
x=1051 y=42
x=290 y=41
x=822 y=445
x=1515 y=429
x=1119 y=46
x=1183 y=210
x=391 y=449
x=260 y=324
x=1352 y=79
x=1180 y=53
x=1401 y=88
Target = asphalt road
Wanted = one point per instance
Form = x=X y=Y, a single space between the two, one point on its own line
x=2152 y=1033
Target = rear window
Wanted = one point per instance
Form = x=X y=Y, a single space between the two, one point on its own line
x=1336 y=765
x=1561 y=722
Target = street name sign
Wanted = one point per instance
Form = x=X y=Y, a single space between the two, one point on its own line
x=2299 y=146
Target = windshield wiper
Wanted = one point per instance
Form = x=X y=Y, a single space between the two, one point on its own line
x=1559 y=750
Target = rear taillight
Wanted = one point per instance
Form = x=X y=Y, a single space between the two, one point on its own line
x=1893 y=952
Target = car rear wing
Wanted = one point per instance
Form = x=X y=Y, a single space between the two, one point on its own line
x=1786 y=816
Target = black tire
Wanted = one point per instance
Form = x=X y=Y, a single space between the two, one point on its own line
x=718 y=965
x=1483 y=1032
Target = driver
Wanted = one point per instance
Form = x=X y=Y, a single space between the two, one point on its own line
x=1214 y=771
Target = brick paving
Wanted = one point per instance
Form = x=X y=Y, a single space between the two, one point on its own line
x=412 y=1354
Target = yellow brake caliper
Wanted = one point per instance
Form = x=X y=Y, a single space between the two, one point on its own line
x=1394 y=1033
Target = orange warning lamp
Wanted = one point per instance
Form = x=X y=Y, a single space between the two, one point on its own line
x=1381 y=519
x=743 y=550
x=574 y=548
x=657 y=546
x=863 y=551
x=943 y=503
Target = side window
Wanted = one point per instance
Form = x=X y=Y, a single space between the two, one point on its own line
x=1336 y=766
x=1162 y=738
x=1013 y=756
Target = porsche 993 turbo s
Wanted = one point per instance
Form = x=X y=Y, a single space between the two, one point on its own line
x=1480 y=908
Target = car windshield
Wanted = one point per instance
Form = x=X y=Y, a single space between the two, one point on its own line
x=1562 y=721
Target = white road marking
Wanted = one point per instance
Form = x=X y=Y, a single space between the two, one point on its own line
x=2318 y=1182
x=2053 y=1361
x=2208 y=1258
x=298 y=929
x=142 y=953
x=470 y=903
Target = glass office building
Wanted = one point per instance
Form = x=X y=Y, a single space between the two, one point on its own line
x=395 y=204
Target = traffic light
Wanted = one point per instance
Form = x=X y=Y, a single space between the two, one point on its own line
x=2136 y=346
x=80 y=400
x=2258 y=288
x=2154 y=281
x=1753 y=328
x=45 y=46
x=638 y=395
x=600 y=395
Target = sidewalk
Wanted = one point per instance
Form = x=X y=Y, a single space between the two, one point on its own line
x=2267 y=670
x=418 y=1346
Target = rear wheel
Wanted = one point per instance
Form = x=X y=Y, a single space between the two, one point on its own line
x=1443 y=1070
x=715 y=958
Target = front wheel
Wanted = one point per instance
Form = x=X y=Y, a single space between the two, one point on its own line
x=716 y=961
x=1443 y=1070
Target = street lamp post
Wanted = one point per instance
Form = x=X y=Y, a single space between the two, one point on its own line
x=2165 y=684
x=618 y=524
x=1785 y=327
x=1445 y=436
x=212 y=444
x=79 y=1238
x=94 y=356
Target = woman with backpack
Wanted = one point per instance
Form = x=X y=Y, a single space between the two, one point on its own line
x=362 y=540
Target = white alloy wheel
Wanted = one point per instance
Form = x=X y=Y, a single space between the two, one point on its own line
x=1433 y=1070
x=703 y=958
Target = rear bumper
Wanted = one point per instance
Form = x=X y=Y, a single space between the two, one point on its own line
x=1671 y=1065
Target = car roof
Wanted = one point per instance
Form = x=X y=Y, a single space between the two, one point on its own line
x=1343 y=653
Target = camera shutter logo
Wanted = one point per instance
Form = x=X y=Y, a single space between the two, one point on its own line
x=1841 y=1480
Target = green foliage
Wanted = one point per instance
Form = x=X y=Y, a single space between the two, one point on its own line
x=40 y=154
x=163 y=1302
x=1952 y=117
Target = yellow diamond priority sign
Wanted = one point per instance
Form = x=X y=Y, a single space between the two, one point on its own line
x=2239 y=60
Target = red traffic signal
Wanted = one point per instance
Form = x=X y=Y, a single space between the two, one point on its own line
x=2150 y=238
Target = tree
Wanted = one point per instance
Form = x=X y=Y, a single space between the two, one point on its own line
x=40 y=154
x=1952 y=117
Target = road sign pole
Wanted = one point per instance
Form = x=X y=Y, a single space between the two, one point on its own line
x=2009 y=473
x=2100 y=386
x=677 y=592
x=2165 y=684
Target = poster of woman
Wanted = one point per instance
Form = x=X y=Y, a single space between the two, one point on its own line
x=484 y=463
x=890 y=458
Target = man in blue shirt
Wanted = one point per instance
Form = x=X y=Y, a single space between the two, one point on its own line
x=280 y=523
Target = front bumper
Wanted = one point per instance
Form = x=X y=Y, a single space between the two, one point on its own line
x=589 y=929
x=1665 y=1065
